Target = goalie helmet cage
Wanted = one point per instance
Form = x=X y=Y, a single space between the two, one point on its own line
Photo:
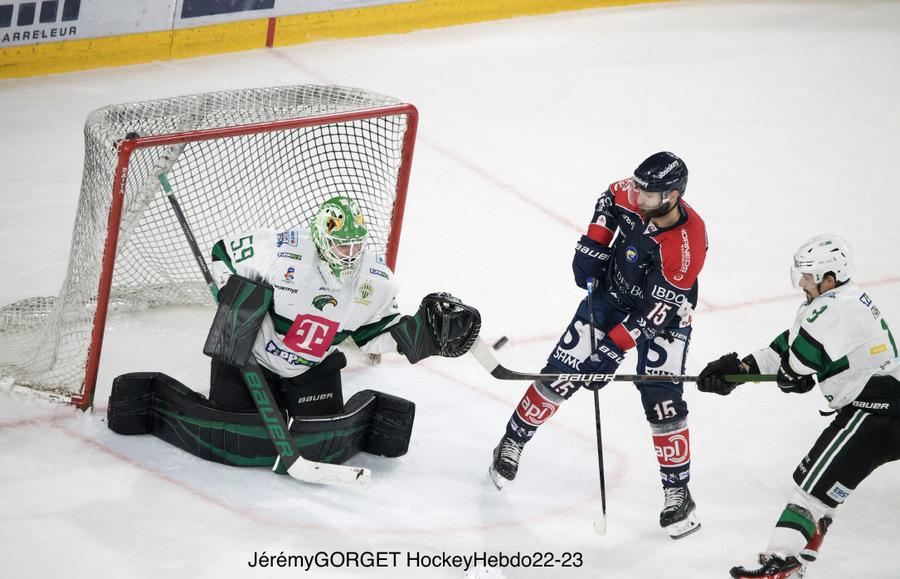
x=237 y=161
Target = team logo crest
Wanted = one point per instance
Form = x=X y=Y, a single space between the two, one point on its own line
x=631 y=254
x=324 y=300
x=365 y=291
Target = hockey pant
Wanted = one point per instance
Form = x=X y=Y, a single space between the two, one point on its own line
x=664 y=406
x=154 y=403
x=848 y=450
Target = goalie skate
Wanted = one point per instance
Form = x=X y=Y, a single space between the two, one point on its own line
x=679 y=514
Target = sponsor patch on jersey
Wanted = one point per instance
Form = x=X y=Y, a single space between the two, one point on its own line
x=311 y=335
x=288 y=238
x=631 y=254
x=866 y=300
x=379 y=259
x=839 y=492
x=374 y=271
x=365 y=291
x=667 y=295
x=875 y=350
x=290 y=255
x=323 y=300
x=284 y=288
x=289 y=275
x=289 y=357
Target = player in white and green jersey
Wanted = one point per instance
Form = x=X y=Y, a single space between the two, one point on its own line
x=317 y=304
x=839 y=340
x=326 y=287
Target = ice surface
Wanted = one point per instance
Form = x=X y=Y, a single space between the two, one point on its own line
x=788 y=115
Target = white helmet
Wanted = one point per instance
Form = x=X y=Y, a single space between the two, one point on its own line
x=823 y=254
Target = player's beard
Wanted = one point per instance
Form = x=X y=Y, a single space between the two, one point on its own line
x=658 y=212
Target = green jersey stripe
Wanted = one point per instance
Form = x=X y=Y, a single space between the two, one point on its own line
x=834 y=369
x=219 y=253
x=809 y=351
x=780 y=344
x=364 y=334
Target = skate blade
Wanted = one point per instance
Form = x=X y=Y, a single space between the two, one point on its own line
x=681 y=529
x=498 y=480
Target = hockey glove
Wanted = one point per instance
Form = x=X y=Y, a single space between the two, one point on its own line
x=790 y=381
x=442 y=326
x=712 y=378
x=606 y=359
x=591 y=260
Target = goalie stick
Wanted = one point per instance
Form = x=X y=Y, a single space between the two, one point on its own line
x=289 y=459
x=489 y=362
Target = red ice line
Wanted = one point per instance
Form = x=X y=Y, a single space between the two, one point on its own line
x=54 y=421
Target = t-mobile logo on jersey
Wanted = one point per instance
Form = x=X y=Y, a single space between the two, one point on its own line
x=311 y=335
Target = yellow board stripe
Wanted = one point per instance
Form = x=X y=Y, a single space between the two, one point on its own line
x=219 y=38
x=72 y=55
x=407 y=17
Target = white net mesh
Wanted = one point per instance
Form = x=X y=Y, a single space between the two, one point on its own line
x=225 y=185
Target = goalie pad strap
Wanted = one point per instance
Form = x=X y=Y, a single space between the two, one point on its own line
x=154 y=403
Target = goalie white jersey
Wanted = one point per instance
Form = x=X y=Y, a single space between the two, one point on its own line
x=311 y=312
x=841 y=337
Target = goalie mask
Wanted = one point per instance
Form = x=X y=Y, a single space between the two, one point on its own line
x=821 y=255
x=340 y=236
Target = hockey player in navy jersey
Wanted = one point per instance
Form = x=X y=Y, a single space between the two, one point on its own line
x=645 y=246
x=840 y=337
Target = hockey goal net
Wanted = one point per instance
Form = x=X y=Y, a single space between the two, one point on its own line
x=237 y=160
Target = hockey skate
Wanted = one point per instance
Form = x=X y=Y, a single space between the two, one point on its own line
x=506 y=461
x=772 y=567
x=679 y=514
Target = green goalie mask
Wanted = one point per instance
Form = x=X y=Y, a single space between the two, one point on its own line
x=340 y=236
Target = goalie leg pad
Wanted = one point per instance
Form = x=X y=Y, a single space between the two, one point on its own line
x=157 y=404
x=392 y=424
x=130 y=403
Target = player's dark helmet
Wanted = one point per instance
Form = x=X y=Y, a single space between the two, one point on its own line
x=662 y=171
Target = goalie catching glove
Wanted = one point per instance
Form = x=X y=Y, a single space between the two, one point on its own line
x=443 y=326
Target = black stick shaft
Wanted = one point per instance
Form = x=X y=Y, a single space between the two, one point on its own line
x=590 y=305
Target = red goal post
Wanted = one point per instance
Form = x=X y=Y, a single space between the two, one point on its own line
x=306 y=144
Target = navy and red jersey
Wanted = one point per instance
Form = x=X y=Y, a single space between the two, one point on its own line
x=653 y=272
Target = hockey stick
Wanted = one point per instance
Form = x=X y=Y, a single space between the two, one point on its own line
x=289 y=457
x=599 y=522
x=489 y=362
